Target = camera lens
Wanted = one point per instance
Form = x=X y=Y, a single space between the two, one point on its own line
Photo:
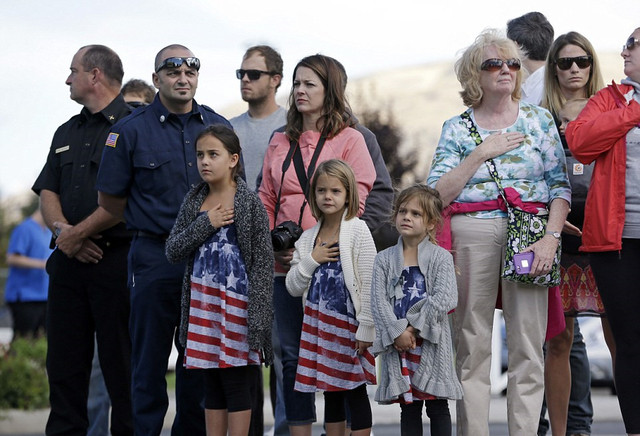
x=279 y=240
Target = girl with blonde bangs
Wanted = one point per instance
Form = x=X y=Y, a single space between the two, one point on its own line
x=342 y=171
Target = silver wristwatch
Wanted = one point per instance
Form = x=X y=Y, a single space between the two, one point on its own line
x=554 y=234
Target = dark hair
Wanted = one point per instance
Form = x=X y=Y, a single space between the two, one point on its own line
x=553 y=99
x=137 y=86
x=334 y=116
x=533 y=33
x=272 y=58
x=229 y=140
x=158 y=60
x=430 y=205
x=342 y=171
x=104 y=59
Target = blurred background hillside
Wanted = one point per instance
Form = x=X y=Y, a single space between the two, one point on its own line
x=411 y=103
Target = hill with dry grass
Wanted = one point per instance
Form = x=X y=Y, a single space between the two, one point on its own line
x=420 y=99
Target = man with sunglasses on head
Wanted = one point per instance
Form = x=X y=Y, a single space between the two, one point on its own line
x=88 y=295
x=533 y=33
x=148 y=165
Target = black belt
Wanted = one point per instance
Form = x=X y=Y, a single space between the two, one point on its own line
x=106 y=241
x=141 y=234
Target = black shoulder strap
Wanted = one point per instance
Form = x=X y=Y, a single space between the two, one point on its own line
x=293 y=145
x=304 y=178
x=491 y=165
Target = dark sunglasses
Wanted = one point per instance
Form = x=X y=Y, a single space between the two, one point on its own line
x=631 y=43
x=177 y=63
x=496 y=64
x=581 y=61
x=136 y=104
x=252 y=74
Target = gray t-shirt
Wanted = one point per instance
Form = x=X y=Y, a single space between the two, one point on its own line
x=632 y=176
x=254 y=137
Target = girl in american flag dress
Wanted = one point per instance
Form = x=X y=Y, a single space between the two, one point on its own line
x=331 y=269
x=222 y=231
x=413 y=290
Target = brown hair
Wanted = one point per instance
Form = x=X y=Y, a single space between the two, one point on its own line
x=430 y=204
x=272 y=59
x=229 y=140
x=334 y=109
x=104 y=59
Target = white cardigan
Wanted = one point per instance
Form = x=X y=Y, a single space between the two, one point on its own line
x=357 y=253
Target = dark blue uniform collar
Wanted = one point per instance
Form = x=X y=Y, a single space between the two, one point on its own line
x=162 y=114
x=112 y=113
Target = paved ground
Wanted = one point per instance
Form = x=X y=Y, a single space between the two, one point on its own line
x=607 y=419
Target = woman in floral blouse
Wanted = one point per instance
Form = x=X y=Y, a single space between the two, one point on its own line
x=523 y=141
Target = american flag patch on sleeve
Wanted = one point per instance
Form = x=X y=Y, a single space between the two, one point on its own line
x=112 y=139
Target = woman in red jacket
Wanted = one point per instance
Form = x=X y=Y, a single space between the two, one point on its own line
x=608 y=132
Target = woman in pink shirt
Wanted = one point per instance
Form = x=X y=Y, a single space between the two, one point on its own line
x=317 y=119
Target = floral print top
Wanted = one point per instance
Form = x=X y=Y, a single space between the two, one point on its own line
x=537 y=169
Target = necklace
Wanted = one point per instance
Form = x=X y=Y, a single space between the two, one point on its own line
x=332 y=236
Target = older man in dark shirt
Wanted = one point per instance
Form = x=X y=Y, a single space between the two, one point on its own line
x=88 y=293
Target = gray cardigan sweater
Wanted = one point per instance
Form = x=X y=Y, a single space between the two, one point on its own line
x=436 y=374
x=190 y=231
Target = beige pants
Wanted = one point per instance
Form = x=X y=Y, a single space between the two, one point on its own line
x=478 y=250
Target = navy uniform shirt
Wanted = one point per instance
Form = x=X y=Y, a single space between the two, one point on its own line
x=150 y=158
x=72 y=164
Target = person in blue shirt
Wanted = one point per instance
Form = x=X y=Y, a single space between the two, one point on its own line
x=148 y=165
x=27 y=283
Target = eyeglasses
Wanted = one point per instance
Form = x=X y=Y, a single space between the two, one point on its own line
x=581 y=61
x=177 y=63
x=252 y=74
x=136 y=104
x=631 y=43
x=496 y=64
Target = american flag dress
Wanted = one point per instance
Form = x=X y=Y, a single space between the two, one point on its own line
x=327 y=359
x=217 y=332
x=413 y=285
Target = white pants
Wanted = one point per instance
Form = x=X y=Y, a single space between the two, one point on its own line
x=478 y=251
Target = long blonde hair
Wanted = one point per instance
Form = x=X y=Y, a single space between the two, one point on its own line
x=553 y=99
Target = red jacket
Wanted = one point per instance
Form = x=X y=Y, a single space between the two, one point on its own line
x=599 y=133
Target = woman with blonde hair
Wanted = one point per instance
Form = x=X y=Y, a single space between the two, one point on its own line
x=524 y=145
x=572 y=74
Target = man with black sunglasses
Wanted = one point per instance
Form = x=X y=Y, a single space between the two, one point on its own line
x=260 y=76
x=533 y=33
x=148 y=166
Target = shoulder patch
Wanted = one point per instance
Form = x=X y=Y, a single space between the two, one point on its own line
x=112 y=139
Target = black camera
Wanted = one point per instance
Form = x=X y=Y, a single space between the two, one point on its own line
x=285 y=235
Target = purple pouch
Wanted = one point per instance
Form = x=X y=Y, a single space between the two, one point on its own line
x=523 y=261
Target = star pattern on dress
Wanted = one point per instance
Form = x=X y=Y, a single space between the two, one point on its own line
x=413 y=285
